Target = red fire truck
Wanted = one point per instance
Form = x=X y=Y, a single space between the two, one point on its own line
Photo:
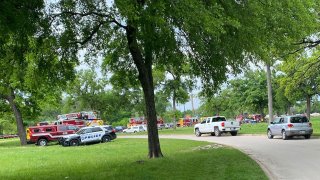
x=142 y=121
x=41 y=135
x=81 y=119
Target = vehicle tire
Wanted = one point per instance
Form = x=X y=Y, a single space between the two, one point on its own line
x=198 y=133
x=269 y=134
x=65 y=143
x=134 y=131
x=284 y=135
x=212 y=134
x=217 y=132
x=106 y=139
x=42 y=142
x=234 y=133
x=74 y=142
x=60 y=141
x=307 y=136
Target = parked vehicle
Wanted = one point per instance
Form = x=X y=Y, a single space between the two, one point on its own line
x=215 y=126
x=161 y=126
x=168 y=125
x=88 y=135
x=108 y=128
x=119 y=128
x=249 y=120
x=289 y=126
x=134 y=129
x=41 y=135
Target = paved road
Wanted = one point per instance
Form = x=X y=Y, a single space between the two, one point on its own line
x=294 y=159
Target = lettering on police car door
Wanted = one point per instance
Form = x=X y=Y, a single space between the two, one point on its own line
x=90 y=136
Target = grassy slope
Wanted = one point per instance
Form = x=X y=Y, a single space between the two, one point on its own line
x=118 y=160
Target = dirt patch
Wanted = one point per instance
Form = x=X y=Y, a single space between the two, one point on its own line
x=210 y=146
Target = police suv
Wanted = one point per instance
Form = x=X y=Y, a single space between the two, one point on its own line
x=88 y=135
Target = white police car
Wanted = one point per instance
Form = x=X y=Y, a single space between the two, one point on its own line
x=88 y=135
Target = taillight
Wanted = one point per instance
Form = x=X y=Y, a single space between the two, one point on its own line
x=310 y=124
x=290 y=125
x=113 y=130
x=222 y=124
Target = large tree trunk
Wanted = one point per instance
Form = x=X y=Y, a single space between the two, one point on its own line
x=144 y=66
x=270 y=108
x=174 y=110
x=18 y=117
x=308 y=106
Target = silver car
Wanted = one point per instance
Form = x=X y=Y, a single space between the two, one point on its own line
x=289 y=126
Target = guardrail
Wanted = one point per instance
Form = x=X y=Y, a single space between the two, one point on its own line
x=8 y=136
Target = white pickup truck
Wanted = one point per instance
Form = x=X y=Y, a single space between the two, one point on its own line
x=216 y=125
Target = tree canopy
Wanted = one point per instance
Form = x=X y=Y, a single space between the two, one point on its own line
x=212 y=37
x=301 y=79
x=30 y=67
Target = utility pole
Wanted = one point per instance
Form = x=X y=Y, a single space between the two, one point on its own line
x=270 y=103
x=193 y=113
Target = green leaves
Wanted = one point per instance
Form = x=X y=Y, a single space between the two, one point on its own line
x=301 y=77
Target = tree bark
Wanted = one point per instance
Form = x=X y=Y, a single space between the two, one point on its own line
x=270 y=101
x=308 y=106
x=144 y=66
x=18 y=117
x=288 y=110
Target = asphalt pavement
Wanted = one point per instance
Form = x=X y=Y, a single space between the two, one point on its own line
x=294 y=159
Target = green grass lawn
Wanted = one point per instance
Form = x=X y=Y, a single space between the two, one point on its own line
x=258 y=128
x=125 y=159
x=178 y=130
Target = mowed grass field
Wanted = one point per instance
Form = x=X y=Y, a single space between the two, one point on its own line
x=126 y=159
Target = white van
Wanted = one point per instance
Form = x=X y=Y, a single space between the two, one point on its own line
x=134 y=129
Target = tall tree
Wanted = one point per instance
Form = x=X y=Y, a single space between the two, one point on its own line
x=177 y=86
x=18 y=22
x=273 y=37
x=141 y=34
x=29 y=64
x=251 y=91
x=302 y=78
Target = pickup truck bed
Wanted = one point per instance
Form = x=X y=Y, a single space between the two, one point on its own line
x=216 y=125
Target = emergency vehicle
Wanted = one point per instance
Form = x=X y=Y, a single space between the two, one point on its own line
x=142 y=121
x=41 y=135
x=187 y=121
x=81 y=119
x=88 y=135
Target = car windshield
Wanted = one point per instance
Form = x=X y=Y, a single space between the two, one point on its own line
x=299 y=119
x=135 y=127
x=80 y=131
